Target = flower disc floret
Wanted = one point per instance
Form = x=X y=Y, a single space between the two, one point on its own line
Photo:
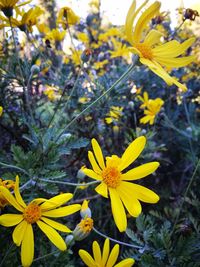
x=111 y=176
x=32 y=213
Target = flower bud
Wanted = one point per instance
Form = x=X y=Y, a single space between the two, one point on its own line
x=35 y=69
x=85 y=56
x=85 y=210
x=83 y=229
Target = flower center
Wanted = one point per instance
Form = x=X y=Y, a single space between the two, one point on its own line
x=111 y=176
x=32 y=213
x=86 y=225
x=145 y=50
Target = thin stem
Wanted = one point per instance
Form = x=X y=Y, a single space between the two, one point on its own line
x=67 y=183
x=6 y=255
x=117 y=241
x=98 y=99
x=185 y=195
x=25 y=90
x=13 y=167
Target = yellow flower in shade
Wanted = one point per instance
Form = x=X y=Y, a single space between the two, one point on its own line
x=67 y=17
x=151 y=51
x=7 y=6
x=1 y=110
x=100 y=64
x=114 y=114
x=105 y=259
x=36 y=212
x=153 y=108
x=9 y=184
x=122 y=193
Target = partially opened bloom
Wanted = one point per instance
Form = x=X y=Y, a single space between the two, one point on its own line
x=9 y=184
x=105 y=259
x=112 y=180
x=36 y=212
x=152 y=52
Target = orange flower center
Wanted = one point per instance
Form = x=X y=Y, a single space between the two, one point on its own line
x=145 y=50
x=111 y=176
x=32 y=213
x=86 y=225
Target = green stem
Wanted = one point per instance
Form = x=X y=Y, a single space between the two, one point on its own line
x=99 y=98
x=67 y=183
x=185 y=195
x=117 y=241
x=13 y=167
x=25 y=90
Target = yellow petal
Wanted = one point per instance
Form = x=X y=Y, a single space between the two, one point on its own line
x=142 y=193
x=102 y=189
x=118 y=211
x=18 y=233
x=58 y=226
x=129 y=22
x=90 y=173
x=61 y=212
x=9 y=197
x=141 y=171
x=93 y=162
x=56 y=201
x=10 y=219
x=53 y=236
x=106 y=251
x=98 y=153
x=86 y=258
x=172 y=48
x=17 y=193
x=153 y=37
x=175 y=62
x=27 y=247
x=125 y=263
x=132 y=152
x=113 y=256
x=96 y=252
x=144 y=19
x=129 y=199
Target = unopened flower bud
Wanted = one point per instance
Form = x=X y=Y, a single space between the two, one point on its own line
x=35 y=69
x=69 y=239
x=85 y=210
x=85 y=56
x=80 y=174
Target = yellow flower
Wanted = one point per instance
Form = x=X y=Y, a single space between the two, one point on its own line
x=153 y=108
x=1 y=110
x=100 y=64
x=114 y=114
x=83 y=229
x=105 y=259
x=52 y=93
x=151 y=52
x=120 y=49
x=121 y=192
x=56 y=35
x=28 y=20
x=7 y=184
x=67 y=17
x=36 y=212
x=144 y=99
x=7 y=6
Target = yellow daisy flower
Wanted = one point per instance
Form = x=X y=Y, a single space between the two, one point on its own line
x=151 y=52
x=7 y=6
x=1 y=110
x=37 y=211
x=121 y=191
x=153 y=108
x=67 y=17
x=105 y=259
